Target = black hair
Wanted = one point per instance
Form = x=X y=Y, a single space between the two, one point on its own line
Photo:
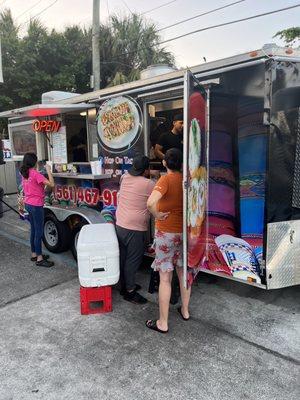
x=173 y=159
x=29 y=161
x=178 y=117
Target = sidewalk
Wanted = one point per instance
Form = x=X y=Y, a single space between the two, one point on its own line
x=240 y=344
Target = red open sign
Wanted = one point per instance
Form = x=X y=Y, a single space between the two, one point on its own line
x=46 y=125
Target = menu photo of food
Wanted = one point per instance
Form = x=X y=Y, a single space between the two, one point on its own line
x=197 y=188
x=119 y=123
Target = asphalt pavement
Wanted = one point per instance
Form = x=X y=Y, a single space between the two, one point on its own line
x=241 y=342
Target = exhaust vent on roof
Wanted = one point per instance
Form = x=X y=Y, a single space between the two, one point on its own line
x=155 y=70
x=56 y=95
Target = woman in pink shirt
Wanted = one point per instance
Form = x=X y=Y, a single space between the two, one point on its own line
x=33 y=186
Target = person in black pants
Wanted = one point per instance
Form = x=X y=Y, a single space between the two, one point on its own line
x=132 y=225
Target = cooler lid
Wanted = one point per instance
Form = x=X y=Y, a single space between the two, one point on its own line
x=96 y=233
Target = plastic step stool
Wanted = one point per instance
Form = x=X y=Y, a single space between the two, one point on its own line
x=90 y=297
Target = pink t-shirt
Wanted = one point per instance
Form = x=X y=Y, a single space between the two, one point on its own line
x=33 y=188
x=132 y=212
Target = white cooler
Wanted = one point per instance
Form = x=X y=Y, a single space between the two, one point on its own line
x=98 y=255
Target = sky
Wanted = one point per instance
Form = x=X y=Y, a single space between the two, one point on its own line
x=212 y=44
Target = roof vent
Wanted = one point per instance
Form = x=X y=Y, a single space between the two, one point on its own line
x=56 y=95
x=156 y=70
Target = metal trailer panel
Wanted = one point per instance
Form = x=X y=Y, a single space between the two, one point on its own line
x=90 y=215
x=208 y=68
x=44 y=110
x=8 y=177
x=283 y=184
x=283 y=254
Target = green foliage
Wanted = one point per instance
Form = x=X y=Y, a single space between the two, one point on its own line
x=42 y=61
x=290 y=36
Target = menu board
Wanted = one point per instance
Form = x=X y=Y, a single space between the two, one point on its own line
x=59 y=143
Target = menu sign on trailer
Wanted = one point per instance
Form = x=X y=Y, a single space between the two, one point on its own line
x=119 y=124
x=119 y=130
x=59 y=146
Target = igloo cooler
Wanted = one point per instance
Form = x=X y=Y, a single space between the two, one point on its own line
x=98 y=255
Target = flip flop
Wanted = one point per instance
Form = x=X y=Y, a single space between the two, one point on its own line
x=152 y=324
x=45 y=257
x=179 y=310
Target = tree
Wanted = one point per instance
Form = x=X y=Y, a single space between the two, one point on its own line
x=10 y=50
x=135 y=47
x=290 y=35
x=42 y=61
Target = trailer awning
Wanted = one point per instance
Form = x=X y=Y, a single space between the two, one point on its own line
x=44 y=110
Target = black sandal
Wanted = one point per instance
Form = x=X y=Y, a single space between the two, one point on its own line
x=180 y=312
x=152 y=324
x=45 y=257
x=44 y=263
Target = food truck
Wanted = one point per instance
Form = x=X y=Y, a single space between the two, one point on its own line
x=241 y=164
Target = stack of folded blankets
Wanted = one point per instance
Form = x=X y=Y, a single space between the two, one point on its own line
x=252 y=146
x=221 y=203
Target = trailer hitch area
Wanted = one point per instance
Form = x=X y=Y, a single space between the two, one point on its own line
x=292 y=233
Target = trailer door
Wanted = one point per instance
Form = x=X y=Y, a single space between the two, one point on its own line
x=195 y=175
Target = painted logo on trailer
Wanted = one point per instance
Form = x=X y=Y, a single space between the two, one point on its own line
x=119 y=124
x=89 y=196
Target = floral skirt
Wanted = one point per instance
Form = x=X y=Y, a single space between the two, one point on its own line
x=168 y=251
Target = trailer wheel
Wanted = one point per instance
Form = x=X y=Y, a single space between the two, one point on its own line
x=56 y=234
x=75 y=235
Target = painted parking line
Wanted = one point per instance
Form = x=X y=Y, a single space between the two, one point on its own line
x=56 y=257
x=21 y=228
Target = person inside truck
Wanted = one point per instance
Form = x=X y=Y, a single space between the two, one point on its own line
x=166 y=205
x=78 y=145
x=132 y=218
x=170 y=139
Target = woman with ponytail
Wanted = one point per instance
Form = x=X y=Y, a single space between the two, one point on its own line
x=33 y=186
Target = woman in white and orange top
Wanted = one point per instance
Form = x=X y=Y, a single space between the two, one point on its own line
x=166 y=204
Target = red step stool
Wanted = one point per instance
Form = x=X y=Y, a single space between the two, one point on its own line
x=90 y=297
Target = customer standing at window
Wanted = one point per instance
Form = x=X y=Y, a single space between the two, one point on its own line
x=33 y=186
x=166 y=204
x=132 y=225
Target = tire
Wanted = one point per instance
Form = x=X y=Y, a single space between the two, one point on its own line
x=75 y=235
x=57 y=235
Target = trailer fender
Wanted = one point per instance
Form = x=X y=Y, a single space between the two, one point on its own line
x=63 y=213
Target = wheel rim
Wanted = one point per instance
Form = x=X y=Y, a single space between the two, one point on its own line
x=51 y=233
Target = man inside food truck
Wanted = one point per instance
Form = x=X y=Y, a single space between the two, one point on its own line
x=171 y=139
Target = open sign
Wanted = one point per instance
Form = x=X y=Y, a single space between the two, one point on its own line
x=46 y=125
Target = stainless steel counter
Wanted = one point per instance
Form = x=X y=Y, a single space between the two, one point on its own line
x=81 y=176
